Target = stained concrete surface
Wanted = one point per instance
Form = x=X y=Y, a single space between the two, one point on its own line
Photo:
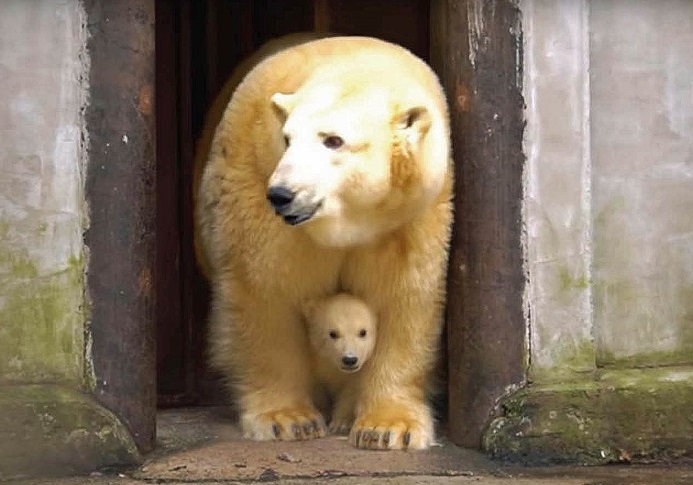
x=608 y=208
x=641 y=82
x=42 y=212
x=201 y=446
x=608 y=184
x=656 y=478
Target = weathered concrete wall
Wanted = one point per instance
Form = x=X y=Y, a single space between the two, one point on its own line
x=609 y=183
x=609 y=234
x=557 y=207
x=42 y=210
x=642 y=156
x=48 y=424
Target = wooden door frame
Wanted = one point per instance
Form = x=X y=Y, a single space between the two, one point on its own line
x=476 y=49
x=120 y=191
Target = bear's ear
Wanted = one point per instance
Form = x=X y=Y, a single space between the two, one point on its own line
x=413 y=122
x=283 y=103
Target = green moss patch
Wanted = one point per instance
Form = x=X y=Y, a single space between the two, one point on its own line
x=41 y=322
x=48 y=430
x=621 y=416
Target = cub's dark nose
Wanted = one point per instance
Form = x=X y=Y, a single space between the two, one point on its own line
x=280 y=197
x=350 y=360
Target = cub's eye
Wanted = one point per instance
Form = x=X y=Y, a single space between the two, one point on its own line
x=333 y=142
x=287 y=142
x=333 y=335
x=362 y=333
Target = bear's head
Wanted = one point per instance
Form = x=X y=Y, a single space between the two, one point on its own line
x=364 y=153
x=342 y=330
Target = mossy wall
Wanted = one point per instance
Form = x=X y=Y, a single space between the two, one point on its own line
x=609 y=243
x=49 y=422
x=609 y=185
x=42 y=208
x=642 y=181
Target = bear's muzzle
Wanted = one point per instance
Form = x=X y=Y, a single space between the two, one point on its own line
x=286 y=205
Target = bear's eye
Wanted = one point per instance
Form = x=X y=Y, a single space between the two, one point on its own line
x=287 y=141
x=362 y=333
x=333 y=142
x=333 y=335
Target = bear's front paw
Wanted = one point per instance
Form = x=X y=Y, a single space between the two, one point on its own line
x=392 y=430
x=288 y=424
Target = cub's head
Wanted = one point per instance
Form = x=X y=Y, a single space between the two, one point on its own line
x=342 y=331
x=363 y=154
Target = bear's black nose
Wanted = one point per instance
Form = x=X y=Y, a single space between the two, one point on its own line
x=280 y=197
x=350 y=360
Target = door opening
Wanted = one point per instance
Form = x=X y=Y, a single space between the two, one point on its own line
x=198 y=46
x=476 y=47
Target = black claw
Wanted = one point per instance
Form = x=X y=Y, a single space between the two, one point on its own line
x=275 y=430
x=407 y=439
x=386 y=438
x=309 y=429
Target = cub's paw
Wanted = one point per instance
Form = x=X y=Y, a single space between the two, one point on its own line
x=392 y=430
x=288 y=424
x=340 y=426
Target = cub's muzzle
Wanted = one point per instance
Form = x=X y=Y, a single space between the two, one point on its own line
x=350 y=363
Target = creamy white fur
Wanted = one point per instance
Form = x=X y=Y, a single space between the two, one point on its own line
x=379 y=230
x=340 y=326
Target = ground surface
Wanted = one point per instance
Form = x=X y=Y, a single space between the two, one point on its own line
x=202 y=446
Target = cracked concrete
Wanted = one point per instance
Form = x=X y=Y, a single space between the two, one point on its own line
x=202 y=446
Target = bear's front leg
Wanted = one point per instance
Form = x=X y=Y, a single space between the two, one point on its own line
x=392 y=412
x=264 y=350
x=295 y=422
x=392 y=424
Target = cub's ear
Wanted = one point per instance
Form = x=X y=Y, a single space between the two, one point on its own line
x=283 y=103
x=414 y=122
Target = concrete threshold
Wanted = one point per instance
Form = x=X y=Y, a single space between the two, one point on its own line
x=203 y=446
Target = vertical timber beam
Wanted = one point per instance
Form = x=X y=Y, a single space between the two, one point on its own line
x=477 y=51
x=321 y=16
x=120 y=190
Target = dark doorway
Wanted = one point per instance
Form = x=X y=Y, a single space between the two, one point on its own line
x=199 y=43
x=476 y=48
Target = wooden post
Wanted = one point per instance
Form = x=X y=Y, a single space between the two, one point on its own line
x=120 y=190
x=321 y=9
x=477 y=50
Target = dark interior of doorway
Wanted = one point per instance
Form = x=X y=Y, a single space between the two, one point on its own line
x=198 y=44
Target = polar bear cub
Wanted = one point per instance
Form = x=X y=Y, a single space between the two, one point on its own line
x=342 y=334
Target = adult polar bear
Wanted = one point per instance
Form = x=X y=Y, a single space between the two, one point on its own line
x=329 y=171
